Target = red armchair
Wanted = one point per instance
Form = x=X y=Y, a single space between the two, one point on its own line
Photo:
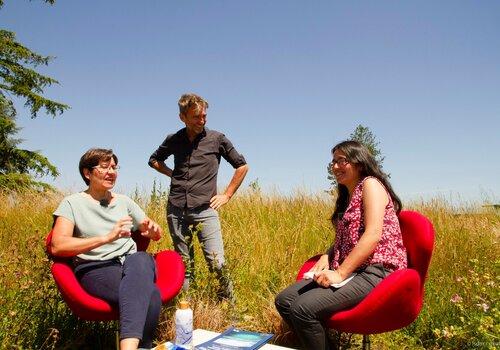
x=169 y=279
x=397 y=300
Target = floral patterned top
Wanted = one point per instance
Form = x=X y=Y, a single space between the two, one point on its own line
x=390 y=250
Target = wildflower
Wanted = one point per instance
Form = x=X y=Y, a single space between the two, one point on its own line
x=446 y=333
x=485 y=307
x=456 y=299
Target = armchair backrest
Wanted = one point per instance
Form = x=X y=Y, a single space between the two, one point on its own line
x=418 y=238
x=141 y=241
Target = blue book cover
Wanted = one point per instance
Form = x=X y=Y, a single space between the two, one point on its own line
x=236 y=339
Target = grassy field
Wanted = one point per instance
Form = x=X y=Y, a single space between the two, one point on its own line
x=266 y=239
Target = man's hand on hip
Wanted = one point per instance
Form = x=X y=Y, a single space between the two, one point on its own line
x=218 y=201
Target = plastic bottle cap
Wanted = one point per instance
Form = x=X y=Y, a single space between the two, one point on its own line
x=184 y=304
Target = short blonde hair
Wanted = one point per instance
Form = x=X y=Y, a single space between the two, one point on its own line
x=191 y=100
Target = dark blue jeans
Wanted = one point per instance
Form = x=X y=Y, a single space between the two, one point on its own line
x=130 y=286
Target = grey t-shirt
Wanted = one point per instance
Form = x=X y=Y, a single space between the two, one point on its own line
x=92 y=219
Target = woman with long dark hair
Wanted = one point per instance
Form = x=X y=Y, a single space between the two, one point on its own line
x=368 y=246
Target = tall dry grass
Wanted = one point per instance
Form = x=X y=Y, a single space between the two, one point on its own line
x=267 y=237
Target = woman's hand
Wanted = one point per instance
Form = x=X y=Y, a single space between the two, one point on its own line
x=321 y=264
x=150 y=229
x=121 y=229
x=326 y=278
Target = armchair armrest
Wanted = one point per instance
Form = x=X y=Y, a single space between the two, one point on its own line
x=169 y=274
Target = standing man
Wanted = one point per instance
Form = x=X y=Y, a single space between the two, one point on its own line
x=193 y=200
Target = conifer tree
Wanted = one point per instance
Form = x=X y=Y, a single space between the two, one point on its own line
x=18 y=77
x=363 y=135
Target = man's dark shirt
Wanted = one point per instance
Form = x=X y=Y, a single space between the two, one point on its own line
x=194 y=178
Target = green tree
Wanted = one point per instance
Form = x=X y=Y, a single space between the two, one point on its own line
x=363 y=135
x=20 y=167
x=19 y=79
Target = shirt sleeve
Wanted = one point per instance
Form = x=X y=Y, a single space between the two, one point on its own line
x=135 y=212
x=65 y=210
x=162 y=152
x=229 y=153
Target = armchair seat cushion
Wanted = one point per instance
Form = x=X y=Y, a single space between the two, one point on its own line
x=393 y=304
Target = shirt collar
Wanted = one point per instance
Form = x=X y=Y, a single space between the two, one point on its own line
x=203 y=133
x=198 y=137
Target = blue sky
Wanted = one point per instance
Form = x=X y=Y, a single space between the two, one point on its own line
x=285 y=80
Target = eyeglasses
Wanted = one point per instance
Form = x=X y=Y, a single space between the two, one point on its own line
x=341 y=162
x=106 y=169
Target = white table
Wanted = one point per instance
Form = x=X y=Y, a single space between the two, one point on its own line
x=202 y=335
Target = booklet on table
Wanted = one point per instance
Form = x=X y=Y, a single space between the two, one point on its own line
x=235 y=339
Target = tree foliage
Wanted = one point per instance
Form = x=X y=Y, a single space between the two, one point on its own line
x=363 y=135
x=47 y=1
x=18 y=165
x=18 y=77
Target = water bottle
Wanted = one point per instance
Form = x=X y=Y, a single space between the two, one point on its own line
x=184 y=325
